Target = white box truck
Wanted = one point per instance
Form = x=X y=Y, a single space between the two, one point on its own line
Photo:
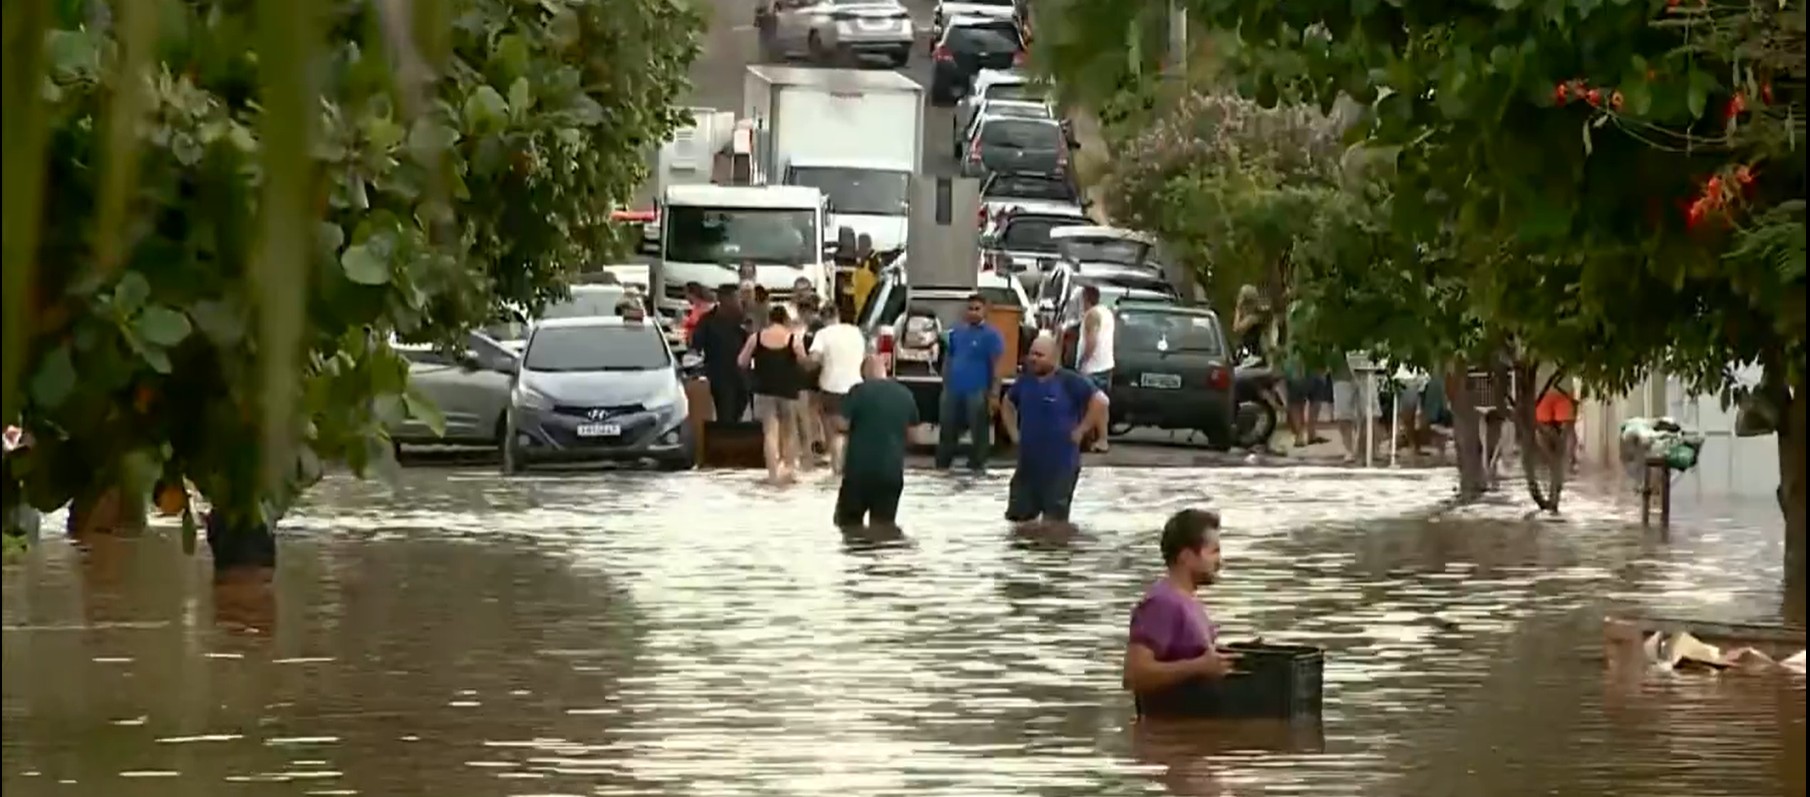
x=856 y=135
x=708 y=233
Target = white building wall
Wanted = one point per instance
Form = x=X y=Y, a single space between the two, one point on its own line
x=1729 y=466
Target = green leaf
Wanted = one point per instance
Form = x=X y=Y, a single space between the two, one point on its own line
x=511 y=55
x=1589 y=147
x=485 y=109
x=1697 y=93
x=163 y=326
x=330 y=236
x=157 y=358
x=131 y=293
x=423 y=409
x=219 y=321
x=429 y=139
x=364 y=266
x=55 y=378
x=521 y=98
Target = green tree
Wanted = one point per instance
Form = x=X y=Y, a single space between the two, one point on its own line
x=1638 y=165
x=241 y=203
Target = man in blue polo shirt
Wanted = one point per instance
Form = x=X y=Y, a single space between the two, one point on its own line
x=1049 y=412
x=970 y=382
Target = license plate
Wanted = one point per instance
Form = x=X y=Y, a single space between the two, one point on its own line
x=1162 y=381
x=915 y=355
x=599 y=430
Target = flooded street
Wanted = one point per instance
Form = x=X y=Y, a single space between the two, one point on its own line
x=657 y=634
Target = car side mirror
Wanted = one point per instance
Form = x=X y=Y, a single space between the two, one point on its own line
x=510 y=366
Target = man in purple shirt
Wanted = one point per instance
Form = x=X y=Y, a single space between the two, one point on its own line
x=1172 y=639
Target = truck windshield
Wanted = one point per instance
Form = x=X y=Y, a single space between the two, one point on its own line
x=875 y=191
x=766 y=236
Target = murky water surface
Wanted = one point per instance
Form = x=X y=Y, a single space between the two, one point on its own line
x=643 y=634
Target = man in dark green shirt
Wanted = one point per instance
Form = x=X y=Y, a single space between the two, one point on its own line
x=876 y=414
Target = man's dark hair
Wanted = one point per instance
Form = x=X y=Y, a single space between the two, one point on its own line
x=978 y=298
x=1091 y=293
x=728 y=291
x=761 y=293
x=695 y=290
x=1188 y=530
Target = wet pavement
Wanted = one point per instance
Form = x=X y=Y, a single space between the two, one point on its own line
x=658 y=634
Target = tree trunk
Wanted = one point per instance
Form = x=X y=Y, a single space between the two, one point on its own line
x=110 y=511
x=1791 y=494
x=242 y=549
x=1529 y=388
x=1467 y=431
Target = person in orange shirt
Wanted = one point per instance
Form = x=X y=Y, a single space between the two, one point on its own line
x=1558 y=409
x=700 y=304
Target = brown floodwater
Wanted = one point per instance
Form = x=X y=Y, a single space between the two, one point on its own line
x=656 y=634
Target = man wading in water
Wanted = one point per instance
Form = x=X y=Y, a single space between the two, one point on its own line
x=1172 y=638
x=876 y=415
x=1048 y=413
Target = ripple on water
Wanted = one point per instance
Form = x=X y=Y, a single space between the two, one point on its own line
x=630 y=633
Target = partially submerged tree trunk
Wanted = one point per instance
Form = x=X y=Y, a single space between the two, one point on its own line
x=1467 y=431
x=1536 y=459
x=242 y=549
x=110 y=511
x=1793 y=427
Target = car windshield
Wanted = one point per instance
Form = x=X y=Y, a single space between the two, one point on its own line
x=1104 y=250
x=1158 y=330
x=1031 y=234
x=988 y=38
x=1013 y=109
x=1021 y=134
x=630 y=347
x=771 y=236
x=587 y=301
x=875 y=191
x=1031 y=186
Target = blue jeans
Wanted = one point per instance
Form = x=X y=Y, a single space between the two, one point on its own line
x=958 y=412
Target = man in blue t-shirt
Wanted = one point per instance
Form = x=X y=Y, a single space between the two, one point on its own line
x=970 y=384
x=1048 y=412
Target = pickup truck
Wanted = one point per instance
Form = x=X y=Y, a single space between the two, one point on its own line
x=906 y=325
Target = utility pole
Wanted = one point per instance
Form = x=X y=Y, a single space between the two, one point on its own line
x=1178 y=40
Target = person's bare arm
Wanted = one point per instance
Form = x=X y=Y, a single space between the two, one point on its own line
x=798 y=348
x=1090 y=332
x=1008 y=415
x=746 y=358
x=1144 y=674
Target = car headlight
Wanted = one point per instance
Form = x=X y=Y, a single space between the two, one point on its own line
x=530 y=399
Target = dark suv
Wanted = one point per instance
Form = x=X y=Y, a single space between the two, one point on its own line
x=970 y=44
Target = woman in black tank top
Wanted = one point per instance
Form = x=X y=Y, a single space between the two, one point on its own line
x=777 y=357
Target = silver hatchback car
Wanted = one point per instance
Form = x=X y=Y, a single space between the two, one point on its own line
x=821 y=28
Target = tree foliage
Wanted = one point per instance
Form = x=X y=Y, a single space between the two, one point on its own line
x=444 y=166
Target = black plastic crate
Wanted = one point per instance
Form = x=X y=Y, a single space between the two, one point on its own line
x=1276 y=681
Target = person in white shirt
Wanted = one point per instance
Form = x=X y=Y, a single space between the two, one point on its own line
x=838 y=350
x=1095 y=360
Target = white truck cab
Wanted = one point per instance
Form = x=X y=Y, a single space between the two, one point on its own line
x=707 y=233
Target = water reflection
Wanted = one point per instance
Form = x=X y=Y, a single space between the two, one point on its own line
x=631 y=633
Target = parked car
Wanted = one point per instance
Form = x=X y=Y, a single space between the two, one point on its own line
x=1006 y=191
x=993 y=84
x=1172 y=370
x=979 y=9
x=470 y=388
x=1016 y=144
x=1016 y=239
x=905 y=326
x=968 y=45
x=597 y=388
x=963 y=134
x=818 y=29
x=1058 y=300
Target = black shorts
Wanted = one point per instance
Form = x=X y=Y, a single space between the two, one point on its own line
x=1046 y=495
x=868 y=500
x=831 y=402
